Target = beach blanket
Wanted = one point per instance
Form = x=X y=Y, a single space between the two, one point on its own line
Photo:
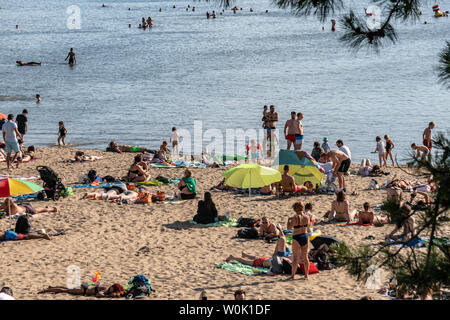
x=179 y=164
x=4 y=176
x=225 y=223
x=103 y=185
x=242 y=268
x=420 y=242
x=354 y=223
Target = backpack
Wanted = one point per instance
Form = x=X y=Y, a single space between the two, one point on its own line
x=92 y=175
x=23 y=225
x=246 y=222
x=248 y=233
x=140 y=287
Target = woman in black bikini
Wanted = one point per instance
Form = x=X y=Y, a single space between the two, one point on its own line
x=138 y=170
x=300 y=238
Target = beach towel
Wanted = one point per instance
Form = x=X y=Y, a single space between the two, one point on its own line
x=242 y=268
x=4 y=176
x=225 y=223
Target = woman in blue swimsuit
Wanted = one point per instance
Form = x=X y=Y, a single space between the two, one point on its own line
x=300 y=223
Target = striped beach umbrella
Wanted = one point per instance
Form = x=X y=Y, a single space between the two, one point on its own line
x=10 y=187
x=15 y=187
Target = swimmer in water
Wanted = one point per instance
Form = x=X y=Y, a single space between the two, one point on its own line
x=207 y=15
x=71 y=57
x=150 y=22
x=333 y=25
x=32 y=63
x=38 y=98
x=214 y=14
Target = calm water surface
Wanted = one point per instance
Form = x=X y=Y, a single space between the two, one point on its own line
x=133 y=85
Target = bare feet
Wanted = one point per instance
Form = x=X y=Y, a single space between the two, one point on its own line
x=229 y=258
x=84 y=196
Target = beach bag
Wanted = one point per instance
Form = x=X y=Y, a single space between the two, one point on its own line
x=92 y=175
x=23 y=225
x=140 y=287
x=144 y=197
x=246 y=222
x=318 y=241
x=277 y=266
x=248 y=233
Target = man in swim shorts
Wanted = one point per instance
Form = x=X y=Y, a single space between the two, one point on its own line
x=11 y=208
x=10 y=133
x=261 y=262
x=428 y=137
x=341 y=164
x=292 y=129
x=10 y=235
x=299 y=136
x=421 y=150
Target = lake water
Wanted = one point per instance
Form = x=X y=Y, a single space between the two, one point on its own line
x=133 y=85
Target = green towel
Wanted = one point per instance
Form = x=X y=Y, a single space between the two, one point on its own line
x=191 y=184
x=242 y=268
x=226 y=223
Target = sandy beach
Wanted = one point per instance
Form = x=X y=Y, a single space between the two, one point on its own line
x=158 y=241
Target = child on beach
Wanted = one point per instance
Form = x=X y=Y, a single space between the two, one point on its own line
x=254 y=150
x=389 y=146
x=420 y=150
x=62 y=132
x=380 y=150
x=175 y=139
x=326 y=148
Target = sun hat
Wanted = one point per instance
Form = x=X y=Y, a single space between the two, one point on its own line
x=325 y=139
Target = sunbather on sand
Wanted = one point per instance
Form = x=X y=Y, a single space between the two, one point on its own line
x=116 y=290
x=138 y=171
x=368 y=217
x=81 y=157
x=115 y=192
x=11 y=208
x=340 y=209
x=287 y=184
x=114 y=147
x=223 y=186
x=10 y=235
x=268 y=229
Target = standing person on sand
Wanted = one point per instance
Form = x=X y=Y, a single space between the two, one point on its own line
x=62 y=132
x=292 y=129
x=341 y=164
x=272 y=119
x=175 y=139
x=10 y=134
x=427 y=136
x=299 y=137
x=300 y=223
x=22 y=122
x=71 y=57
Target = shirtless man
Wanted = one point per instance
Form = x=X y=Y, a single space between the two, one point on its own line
x=427 y=137
x=341 y=164
x=421 y=150
x=11 y=208
x=287 y=183
x=299 y=137
x=292 y=127
x=71 y=57
x=268 y=229
x=272 y=118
